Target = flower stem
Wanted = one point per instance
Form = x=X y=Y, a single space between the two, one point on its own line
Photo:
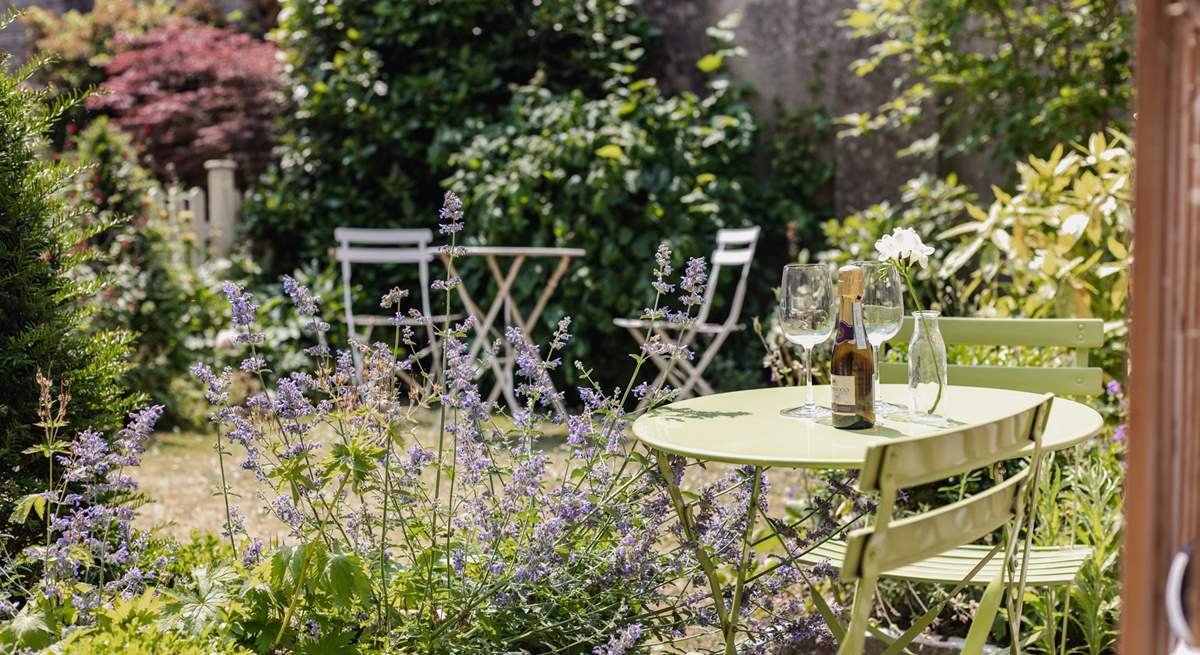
x=300 y=578
x=225 y=491
x=937 y=370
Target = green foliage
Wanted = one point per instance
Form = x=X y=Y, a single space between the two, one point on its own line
x=1001 y=77
x=929 y=205
x=1082 y=503
x=151 y=290
x=141 y=626
x=80 y=44
x=43 y=308
x=615 y=176
x=83 y=42
x=382 y=93
x=1060 y=245
x=802 y=174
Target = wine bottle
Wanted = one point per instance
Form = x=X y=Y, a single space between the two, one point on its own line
x=852 y=367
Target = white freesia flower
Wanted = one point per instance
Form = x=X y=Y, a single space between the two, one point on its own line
x=904 y=244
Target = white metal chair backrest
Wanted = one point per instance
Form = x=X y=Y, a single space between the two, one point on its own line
x=735 y=247
x=360 y=245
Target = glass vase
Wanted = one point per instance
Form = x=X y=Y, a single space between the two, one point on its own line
x=926 y=365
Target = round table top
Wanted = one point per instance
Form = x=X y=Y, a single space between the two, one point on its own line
x=745 y=427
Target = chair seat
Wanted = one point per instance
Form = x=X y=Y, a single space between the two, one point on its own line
x=703 y=328
x=407 y=320
x=1048 y=565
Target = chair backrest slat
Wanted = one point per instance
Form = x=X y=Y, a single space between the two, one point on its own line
x=384 y=255
x=1061 y=381
x=374 y=235
x=903 y=463
x=738 y=236
x=915 y=538
x=1075 y=334
x=733 y=257
x=1038 y=332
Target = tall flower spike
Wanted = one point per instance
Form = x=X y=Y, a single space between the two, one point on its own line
x=662 y=268
x=242 y=304
x=695 y=275
x=451 y=214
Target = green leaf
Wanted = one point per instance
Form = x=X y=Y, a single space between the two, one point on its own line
x=36 y=502
x=346 y=579
x=709 y=63
x=610 y=151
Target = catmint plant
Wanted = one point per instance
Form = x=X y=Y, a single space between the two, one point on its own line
x=458 y=524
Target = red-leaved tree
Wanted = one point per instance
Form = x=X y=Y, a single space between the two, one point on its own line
x=189 y=92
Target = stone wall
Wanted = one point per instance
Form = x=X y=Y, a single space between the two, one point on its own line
x=794 y=47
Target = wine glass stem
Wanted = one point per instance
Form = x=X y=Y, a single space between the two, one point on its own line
x=875 y=368
x=808 y=374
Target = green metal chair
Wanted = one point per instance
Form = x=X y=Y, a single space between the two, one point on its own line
x=933 y=546
x=1076 y=334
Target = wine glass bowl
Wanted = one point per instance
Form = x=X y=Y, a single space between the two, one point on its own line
x=806 y=318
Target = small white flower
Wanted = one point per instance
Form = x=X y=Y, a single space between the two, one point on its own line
x=888 y=248
x=904 y=244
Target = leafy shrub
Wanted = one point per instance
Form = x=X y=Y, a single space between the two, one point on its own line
x=43 y=312
x=81 y=44
x=1005 y=78
x=928 y=204
x=1060 y=245
x=151 y=290
x=382 y=92
x=188 y=92
x=802 y=174
x=612 y=176
x=135 y=627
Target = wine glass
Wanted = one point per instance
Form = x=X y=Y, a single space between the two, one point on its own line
x=806 y=316
x=883 y=314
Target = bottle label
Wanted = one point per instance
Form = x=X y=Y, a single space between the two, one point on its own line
x=845 y=332
x=843 y=393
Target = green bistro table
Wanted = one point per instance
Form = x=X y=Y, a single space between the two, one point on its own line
x=745 y=427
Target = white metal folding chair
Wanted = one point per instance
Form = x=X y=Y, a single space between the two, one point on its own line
x=387 y=246
x=735 y=250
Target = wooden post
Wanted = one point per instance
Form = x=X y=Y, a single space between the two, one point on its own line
x=1162 y=506
x=223 y=205
x=196 y=206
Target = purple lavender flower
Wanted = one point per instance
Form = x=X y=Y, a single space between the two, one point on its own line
x=662 y=269
x=216 y=386
x=242 y=304
x=1122 y=434
x=1113 y=387
x=445 y=285
x=451 y=214
x=621 y=642
x=692 y=283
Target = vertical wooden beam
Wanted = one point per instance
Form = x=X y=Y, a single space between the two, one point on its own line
x=1162 y=504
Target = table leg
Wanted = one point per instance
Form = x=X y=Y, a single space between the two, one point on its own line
x=484 y=322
